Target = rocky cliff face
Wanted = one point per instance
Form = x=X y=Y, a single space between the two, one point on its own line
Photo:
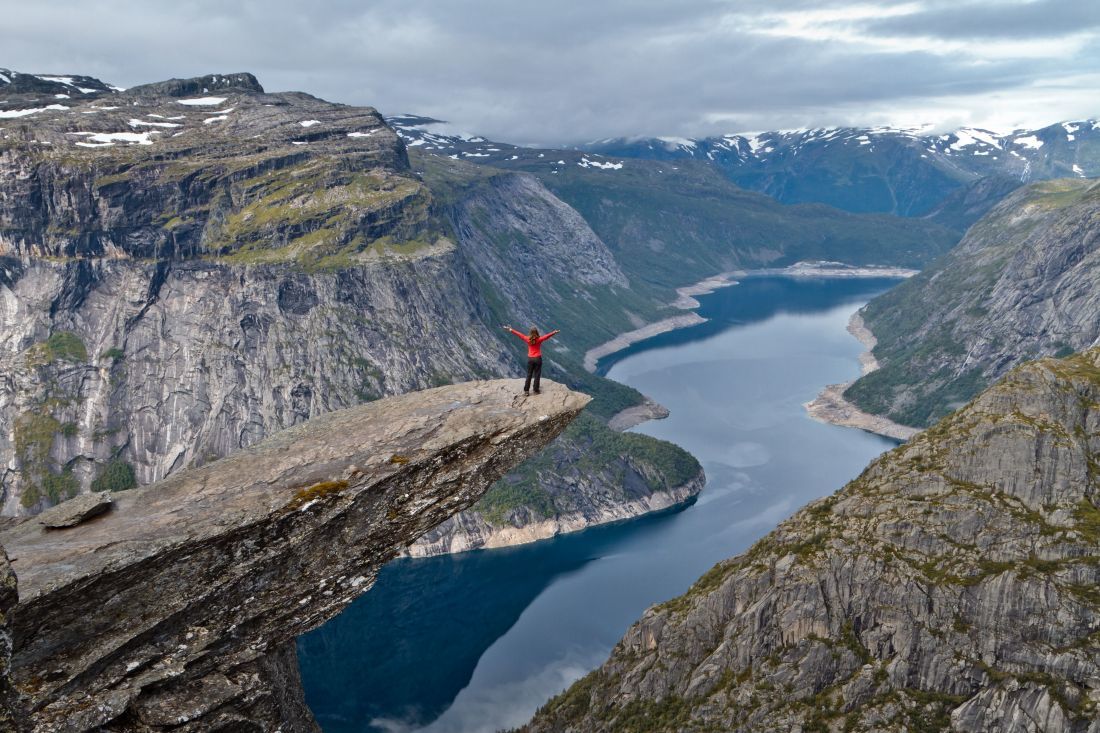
x=1025 y=282
x=177 y=609
x=952 y=586
x=159 y=366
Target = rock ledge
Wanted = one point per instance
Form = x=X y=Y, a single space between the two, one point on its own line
x=178 y=609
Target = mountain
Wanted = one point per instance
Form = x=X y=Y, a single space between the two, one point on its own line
x=907 y=172
x=671 y=225
x=16 y=87
x=951 y=586
x=191 y=265
x=1024 y=282
x=901 y=171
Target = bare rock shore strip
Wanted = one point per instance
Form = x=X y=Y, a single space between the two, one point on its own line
x=831 y=406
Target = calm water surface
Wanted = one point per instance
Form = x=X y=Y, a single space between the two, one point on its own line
x=474 y=643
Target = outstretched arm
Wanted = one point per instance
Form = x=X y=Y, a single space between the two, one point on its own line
x=549 y=335
x=515 y=332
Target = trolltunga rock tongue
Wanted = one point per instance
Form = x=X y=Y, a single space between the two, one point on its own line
x=179 y=608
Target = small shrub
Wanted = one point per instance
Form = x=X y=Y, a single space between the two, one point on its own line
x=117 y=475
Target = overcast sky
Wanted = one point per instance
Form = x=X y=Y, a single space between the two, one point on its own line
x=562 y=71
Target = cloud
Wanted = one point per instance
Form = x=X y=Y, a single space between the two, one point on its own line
x=569 y=71
x=1021 y=20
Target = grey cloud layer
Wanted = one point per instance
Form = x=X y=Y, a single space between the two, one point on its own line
x=566 y=71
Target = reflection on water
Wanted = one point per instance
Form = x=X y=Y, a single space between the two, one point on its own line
x=476 y=642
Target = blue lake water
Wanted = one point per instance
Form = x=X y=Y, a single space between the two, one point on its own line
x=474 y=643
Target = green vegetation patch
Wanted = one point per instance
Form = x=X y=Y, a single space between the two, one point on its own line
x=60 y=346
x=117 y=475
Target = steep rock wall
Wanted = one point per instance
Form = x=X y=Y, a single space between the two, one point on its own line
x=163 y=366
x=1023 y=283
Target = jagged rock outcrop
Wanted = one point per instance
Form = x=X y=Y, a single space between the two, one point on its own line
x=952 y=586
x=177 y=610
x=1023 y=283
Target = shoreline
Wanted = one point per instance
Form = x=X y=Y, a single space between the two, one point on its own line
x=638 y=414
x=685 y=299
x=831 y=407
x=474 y=533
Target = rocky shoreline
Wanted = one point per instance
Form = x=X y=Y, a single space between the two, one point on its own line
x=469 y=530
x=685 y=299
x=638 y=414
x=832 y=407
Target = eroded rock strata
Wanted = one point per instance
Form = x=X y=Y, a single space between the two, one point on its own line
x=177 y=609
x=952 y=586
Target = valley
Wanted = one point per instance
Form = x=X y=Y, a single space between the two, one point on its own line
x=252 y=353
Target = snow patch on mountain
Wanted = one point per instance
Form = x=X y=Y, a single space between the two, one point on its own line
x=10 y=113
x=100 y=139
x=1029 y=141
x=585 y=162
x=202 y=101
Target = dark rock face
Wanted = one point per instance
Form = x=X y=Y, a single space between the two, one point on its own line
x=12 y=716
x=1023 y=283
x=18 y=87
x=952 y=586
x=178 y=609
x=243 y=82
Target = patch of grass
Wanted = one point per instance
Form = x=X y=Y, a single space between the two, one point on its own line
x=60 y=346
x=319 y=490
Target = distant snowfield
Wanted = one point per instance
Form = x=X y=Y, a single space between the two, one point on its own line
x=10 y=113
x=585 y=162
x=202 y=101
x=100 y=139
x=1029 y=141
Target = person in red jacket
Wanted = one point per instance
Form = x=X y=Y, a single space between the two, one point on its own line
x=534 y=355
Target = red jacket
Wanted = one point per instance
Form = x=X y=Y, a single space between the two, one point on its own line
x=534 y=350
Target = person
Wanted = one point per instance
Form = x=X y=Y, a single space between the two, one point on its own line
x=534 y=355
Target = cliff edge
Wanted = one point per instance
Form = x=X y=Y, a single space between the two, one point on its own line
x=177 y=609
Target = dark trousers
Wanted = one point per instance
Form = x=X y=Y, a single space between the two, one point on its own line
x=534 y=369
